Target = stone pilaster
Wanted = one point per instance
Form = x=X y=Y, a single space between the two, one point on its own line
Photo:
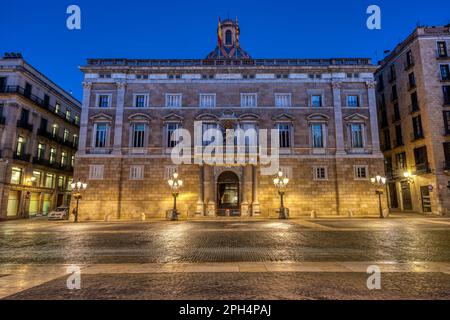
x=118 y=126
x=337 y=103
x=9 y=138
x=256 y=210
x=84 y=117
x=244 y=182
x=371 y=96
x=200 y=209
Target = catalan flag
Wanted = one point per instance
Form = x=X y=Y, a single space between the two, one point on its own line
x=219 y=34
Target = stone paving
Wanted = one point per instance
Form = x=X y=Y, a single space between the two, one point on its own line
x=295 y=259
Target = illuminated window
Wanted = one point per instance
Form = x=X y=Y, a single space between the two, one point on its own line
x=16 y=175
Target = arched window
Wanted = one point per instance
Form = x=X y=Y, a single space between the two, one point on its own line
x=228 y=35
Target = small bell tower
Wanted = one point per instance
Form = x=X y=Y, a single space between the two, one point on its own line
x=228 y=45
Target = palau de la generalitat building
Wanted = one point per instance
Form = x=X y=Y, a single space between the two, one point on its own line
x=324 y=109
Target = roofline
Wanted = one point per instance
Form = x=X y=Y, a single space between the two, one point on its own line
x=66 y=94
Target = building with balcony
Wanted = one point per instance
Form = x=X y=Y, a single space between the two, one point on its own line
x=323 y=110
x=415 y=121
x=39 y=128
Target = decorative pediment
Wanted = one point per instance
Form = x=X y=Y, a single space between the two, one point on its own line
x=172 y=117
x=317 y=117
x=283 y=117
x=206 y=116
x=101 y=117
x=249 y=116
x=228 y=115
x=139 y=117
x=355 y=117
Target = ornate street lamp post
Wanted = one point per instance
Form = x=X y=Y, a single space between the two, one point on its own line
x=77 y=188
x=281 y=182
x=380 y=183
x=175 y=184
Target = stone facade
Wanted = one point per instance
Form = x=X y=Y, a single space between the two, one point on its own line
x=428 y=185
x=39 y=128
x=126 y=181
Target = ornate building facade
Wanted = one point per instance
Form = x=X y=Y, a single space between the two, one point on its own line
x=324 y=111
x=39 y=128
x=414 y=117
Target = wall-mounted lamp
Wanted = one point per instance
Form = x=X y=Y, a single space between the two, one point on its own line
x=408 y=176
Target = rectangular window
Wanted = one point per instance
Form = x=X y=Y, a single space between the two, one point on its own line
x=61 y=182
x=207 y=101
x=393 y=74
x=104 y=100
x=77 y=119
x=284 y=133
x=171 y=134
x=414 y=102
x=173 y=100
x=54 y=130
x=49 y=180
x=138 y=135
x=446 y=92
x=411 y=81
x=41 y=151
x=169 y=171
x=249 y=100
x=317 y=135
x=36 y=181
x=63 y=159
x=417 y=127
x=316 y=101
x=100 y=135
x=409 y=59
x=361 y=172
x=447 y=122
x=140 y=100
x=446 y=146
x=21 y=143
x=398 y=136
x=353 y=101
x=401 y=161
x=357 y=136
x=16 y=175
x=387 y=139
x=282 y=100
x=394 y=95
x=442 y=49
x=52 y=155
x=68 y=114
x=75 y=140
x=396 y=112
x=137 y=172
x=72 y=161
x=445 y=72
x=57 y=107
x=96 y=171
x=66 y=135
x=421 y=159
x=320 y=173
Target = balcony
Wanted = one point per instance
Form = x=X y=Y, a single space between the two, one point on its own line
x=447 y=166
x=414 y=108
x=44 y=133
x=409 y=65
x=412 y=86
x=417 y=136
x=22 y=157
x=37 y=101
x=442 y=55
x=41 y=161
x=422 y=168
x=24 y=125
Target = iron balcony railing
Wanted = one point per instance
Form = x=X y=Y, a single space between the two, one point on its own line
x=68 y=142
x=36 y=100
x=53 y=165
x=422 y=168
x=24 y=125
x=21 y=156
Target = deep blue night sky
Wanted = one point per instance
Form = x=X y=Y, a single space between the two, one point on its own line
x=187 y=29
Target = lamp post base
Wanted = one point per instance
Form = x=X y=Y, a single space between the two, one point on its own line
x=283 y=213
x=173 y=215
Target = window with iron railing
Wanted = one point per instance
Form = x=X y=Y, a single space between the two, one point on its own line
x=445 y=72
x=442 y=49
x=417 y=127
x=446 y=92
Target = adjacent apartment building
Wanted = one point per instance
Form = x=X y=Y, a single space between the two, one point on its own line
x=39 y=127
x=324 y=110
x=414 y=120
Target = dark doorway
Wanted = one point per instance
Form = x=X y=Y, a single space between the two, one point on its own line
x=393 y=199
x=228 y=194
x=426 y=199
x=60 y=200
x=406 y=196
x=2 y=84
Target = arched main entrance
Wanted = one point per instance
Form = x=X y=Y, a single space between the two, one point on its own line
x=228 y=194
